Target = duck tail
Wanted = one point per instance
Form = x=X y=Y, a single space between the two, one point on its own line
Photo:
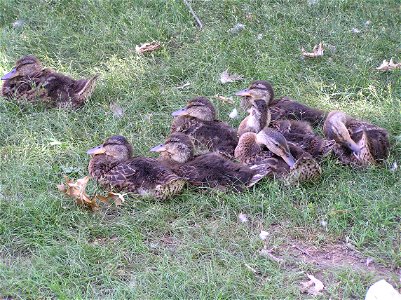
x=262 y=170
x=86 y=90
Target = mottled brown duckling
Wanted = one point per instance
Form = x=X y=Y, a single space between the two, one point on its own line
x=298 y=132
x=30 y=81
x=112 y=165
x=288 y=161
x=198 y=120
x=258 y=118
x=284 y=108
x=207 y=170
x=359 y=142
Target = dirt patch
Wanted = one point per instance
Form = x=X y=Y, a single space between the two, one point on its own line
x=294 y=248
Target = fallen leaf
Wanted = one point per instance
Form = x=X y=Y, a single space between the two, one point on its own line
x=237 y=28
x=147 y=47
x=313 y=287
x=243 y=218
x=355 y=30
x=369 y=260
x=316 y=52
x=55 y=142
x=388 y=66
x=263 y=235
x=228 y=100
x=233 y=114
x=77 y=191
x=116 y=197
x=382 y=290
x=394 y=167
x=117 y=110
x=225 y=77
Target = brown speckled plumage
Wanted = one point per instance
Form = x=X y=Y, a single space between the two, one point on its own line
x=32 y=82
x=207 y=133
x=117 y=169
x=358 y=142
x=210 y=169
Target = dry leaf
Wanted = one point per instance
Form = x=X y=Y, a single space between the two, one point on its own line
x=147 y=47
x=77 y=191
x=382 y=290
x=117 y=110
x=263 y=235
x=116 y=197
x=243 y=218
x=355 y=30
x=388 y=66
x=233 y=114
x=317 y=51
x=225 y=77
x=237 y=28
x=394 y=167
x=313 y=287
x=228 y=100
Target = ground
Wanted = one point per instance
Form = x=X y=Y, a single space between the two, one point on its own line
x=194 y=246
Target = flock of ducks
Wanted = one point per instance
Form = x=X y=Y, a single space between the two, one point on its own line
x=275 y=140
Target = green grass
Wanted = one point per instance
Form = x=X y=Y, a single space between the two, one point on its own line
x=191 y=246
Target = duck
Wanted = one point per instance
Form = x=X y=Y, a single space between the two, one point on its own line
x=288 y=162
x=258 y=118
x=297 y=132
x=198 y=121
x=29 y=81
x=113 y=166
x=358 y=142
x=283 y=108
x=209 y=170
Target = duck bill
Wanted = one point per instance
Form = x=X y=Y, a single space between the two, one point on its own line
x=180 y=112
x=13 y=73
x=289 y=159
x=97 y=150
x=354 y=147
x=243 y=93
x=158 y=148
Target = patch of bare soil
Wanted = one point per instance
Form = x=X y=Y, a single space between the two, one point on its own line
x=297 y=248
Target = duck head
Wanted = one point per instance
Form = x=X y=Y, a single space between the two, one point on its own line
x=259 y=89
x=25 y=66
x=336 y=129
x=276 y=143
x=115 y=148
x=200 y=108
x=178 y=148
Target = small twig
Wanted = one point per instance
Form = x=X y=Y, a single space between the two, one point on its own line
x=268 y=253
x=301 y=250
x=198 y=21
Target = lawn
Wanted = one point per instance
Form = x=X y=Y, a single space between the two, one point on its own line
x=194 y=246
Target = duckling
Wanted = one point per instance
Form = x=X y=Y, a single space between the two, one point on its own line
x=287 y=161
x=284 y=108
x=359 y=142
x=30 y=81
x=207 y=170
x=198 y=120
x=298 y=132
x=258 y=118
x=112 y=165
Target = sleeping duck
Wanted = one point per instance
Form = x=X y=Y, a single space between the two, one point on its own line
x=288 y=161
x=29 y=81
x=207 y=170
x=359 y=142
x=298 y=132
x=198 y=120
x=283 y=108
x=113 y=166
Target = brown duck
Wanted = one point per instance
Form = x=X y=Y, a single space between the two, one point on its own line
x=284 y=108
x=298 y=132
x=198 y=120
x=29 y=81
x=207 y=170
x=113 y=166
x=359 y=142
x=287 y=161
